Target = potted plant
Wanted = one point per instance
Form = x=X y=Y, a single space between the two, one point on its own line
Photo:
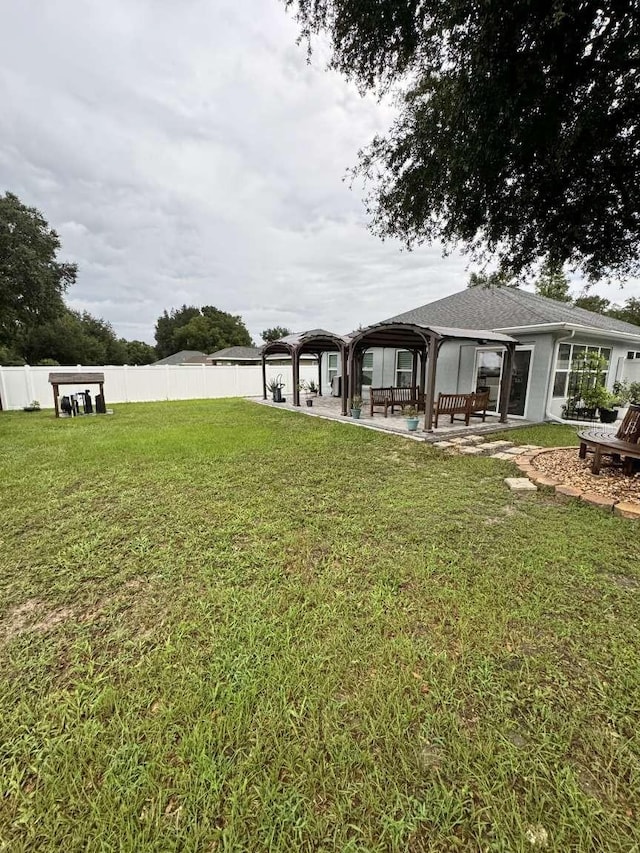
x=34 y=406
x=274 y=386
x=411 y=417
x=312 y=388
x=309 y=388
x=608 y=407
x=356 y=407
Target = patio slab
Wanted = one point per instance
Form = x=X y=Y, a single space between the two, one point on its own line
x=329 y=408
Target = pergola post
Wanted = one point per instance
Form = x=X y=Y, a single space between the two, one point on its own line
x=351 y=375
x=320 y=374
x=344 y=364
x=431 y=383
x=264 y=376
x=414 y=369
x=295 y=362
x=423 y=371
x=505 y=387
x=56 y=391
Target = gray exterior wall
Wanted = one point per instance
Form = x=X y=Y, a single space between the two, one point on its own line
x=456 y=368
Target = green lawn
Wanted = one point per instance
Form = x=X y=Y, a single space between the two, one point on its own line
x=232 y=628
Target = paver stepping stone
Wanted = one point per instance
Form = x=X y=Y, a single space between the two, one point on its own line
x=471 y=451
x=520 y=484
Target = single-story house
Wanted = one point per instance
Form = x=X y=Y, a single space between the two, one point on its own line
x=249 y=356
x=550 y=335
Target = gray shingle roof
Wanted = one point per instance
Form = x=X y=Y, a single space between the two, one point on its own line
x=242 y=353
x=506 y=308
x=185 y=356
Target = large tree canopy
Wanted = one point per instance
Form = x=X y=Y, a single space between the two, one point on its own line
x=207 y=329
x=517 y=132
x=32 y=279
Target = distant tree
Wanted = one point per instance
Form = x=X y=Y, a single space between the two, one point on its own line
x=166 y=327
x=591 y=302
x=492 y=279
x=9 y=357
x=207 y=329
x=553 y=283
x=32 y=279
x=75 y=338
x=139 y=352
x=629 y=312
x=517 y=125
x=275 y=334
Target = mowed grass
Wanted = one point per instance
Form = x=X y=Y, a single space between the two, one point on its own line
x=231 y=628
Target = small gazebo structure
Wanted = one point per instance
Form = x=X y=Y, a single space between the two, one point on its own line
x=79 y=378
x=315 y=342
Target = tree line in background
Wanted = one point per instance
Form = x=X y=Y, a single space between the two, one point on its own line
x=37 y=327
x=553 y=283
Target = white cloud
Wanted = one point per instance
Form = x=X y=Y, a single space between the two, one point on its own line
x=186 y=152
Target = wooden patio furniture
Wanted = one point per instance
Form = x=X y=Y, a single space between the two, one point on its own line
x=468 y=405
x=395 y=396
x=623 y=447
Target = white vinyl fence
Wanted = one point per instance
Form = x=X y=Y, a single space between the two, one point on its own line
x=19 y=386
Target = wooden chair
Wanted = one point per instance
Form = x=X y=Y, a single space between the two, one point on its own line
x=469 y=405
x=621 y=446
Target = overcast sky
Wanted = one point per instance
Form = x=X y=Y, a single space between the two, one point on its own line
x=186 y=152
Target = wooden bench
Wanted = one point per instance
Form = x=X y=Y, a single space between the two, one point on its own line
x=621 y=446
x=469 y=405
x=392 y=397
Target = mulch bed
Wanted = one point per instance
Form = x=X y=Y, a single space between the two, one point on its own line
x=567 y=468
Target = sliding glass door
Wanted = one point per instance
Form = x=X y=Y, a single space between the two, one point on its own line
x=488 y=374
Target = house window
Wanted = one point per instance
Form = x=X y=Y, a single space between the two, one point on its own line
x=367 y=368
x=332 y=365
x=633 y=354
x=564 y=381
x=404 y=368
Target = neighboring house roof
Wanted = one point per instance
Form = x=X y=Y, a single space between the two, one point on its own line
x=507 y=308
x=236 y=354
x=185 y=356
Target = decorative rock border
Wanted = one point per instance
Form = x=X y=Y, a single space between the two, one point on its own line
x=625 y=509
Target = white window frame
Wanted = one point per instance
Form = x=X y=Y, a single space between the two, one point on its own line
x=368 y=356
x=567 y=371
x=399 y=370
x=332 y=371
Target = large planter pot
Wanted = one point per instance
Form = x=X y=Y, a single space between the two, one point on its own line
x=412 y=424
x=355 y=413
x=309 y=402
x=608 y=416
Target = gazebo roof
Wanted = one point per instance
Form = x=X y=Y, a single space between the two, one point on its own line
x=313 y=340
x=76 y=378
x=409 y=335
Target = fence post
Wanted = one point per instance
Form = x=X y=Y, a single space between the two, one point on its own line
x=125 y=383
x=29 y=382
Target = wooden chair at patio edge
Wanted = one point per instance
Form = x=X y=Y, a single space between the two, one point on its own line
x=623 y=445
x=469 y=405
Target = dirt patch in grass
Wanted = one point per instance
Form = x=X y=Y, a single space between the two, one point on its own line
x=32 y=616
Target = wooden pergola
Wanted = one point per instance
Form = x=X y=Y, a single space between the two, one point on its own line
x=58 y=379
x=315 y=342
x=424 y=342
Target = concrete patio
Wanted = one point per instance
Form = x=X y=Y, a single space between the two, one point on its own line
x=329 y=408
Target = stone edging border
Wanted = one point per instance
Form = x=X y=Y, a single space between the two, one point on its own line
x=625 y=509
